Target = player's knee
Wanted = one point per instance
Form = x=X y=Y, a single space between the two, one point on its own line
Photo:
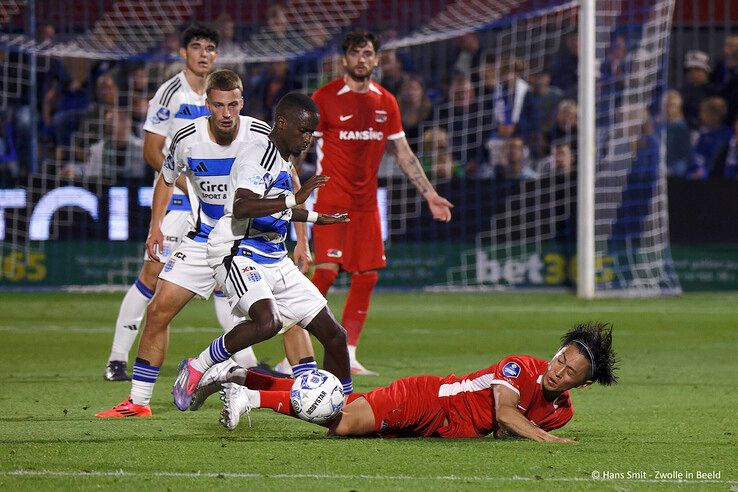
x=269 y=323
x=149 y=274
x=158 y=312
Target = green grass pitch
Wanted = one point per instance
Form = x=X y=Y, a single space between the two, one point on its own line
x=673 y=412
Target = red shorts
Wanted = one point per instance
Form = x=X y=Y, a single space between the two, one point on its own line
x=356 y=245
x=408 y=407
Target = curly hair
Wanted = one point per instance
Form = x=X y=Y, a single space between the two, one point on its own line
x=594 y=341
x=358 y=38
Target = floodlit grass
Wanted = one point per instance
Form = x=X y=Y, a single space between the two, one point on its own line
x=674 y=410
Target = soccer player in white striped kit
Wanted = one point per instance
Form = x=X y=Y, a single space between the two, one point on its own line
x=247 y=251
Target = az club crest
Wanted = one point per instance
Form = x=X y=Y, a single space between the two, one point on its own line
x=380 y=116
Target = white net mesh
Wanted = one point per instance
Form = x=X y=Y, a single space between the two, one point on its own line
x=506 y=162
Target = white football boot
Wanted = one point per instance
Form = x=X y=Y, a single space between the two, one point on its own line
x=237 y=400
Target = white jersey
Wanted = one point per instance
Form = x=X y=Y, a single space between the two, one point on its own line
x=261 y=169
x=207 y=166
x=174 y=106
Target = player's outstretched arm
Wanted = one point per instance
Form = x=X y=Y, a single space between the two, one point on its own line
x=410 y=165
x=247 y=204
x=514 y=422
x=302 y=215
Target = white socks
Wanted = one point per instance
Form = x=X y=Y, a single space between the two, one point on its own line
x=131 y=313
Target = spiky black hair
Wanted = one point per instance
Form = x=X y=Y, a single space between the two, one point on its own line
x=594 y=341
x=199 y=31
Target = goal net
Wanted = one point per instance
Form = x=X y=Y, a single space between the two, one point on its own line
x=488 y=92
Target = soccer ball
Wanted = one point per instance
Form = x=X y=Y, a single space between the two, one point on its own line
x=317 y=396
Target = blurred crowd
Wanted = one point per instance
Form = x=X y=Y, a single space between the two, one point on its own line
x=483 y=114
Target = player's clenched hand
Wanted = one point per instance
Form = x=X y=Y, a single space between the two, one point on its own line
x=324 y=219
x=309 y=186
x=440 y=207
x=154 y=243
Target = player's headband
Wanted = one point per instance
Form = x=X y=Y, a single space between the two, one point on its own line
x=589 y=352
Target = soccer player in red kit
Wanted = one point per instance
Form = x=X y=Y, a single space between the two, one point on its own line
x=358 y=117
x=517 y=396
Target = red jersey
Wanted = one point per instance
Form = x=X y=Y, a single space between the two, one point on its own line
x=353 y=131
x=469 y=400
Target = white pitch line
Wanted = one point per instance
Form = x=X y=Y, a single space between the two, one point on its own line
x=99 y=329
x=565 y=309
x=293 y=476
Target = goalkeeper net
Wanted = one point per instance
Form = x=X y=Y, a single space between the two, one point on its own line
x=488 y=92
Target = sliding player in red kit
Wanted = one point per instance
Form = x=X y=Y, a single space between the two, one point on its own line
x=517 y=396
x=358 y=117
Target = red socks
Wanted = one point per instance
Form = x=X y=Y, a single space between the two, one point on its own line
x=260 y=381
x=279 y=401
x=323 y=278
x=357 y=304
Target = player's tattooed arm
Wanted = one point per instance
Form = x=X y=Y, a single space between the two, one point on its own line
x=514 y=422
x=410 y=165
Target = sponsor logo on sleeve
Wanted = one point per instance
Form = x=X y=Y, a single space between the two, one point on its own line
x=511 y=370
x=163 y=114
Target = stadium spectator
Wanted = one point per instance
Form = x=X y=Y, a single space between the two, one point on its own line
x=227 y=46
x=392 y=74
x=357 y=119
x=166 y=61
x=466 y=56
x=563 y=157
x=560 y=161
x=247 y=246
x=516 y=166
x=466 y=122
x=415 y=107
x=438 y=161
x=727 y=161
x=713 y=136
x=726 y=69
x=65 y=103
x=697 y=86
x=119 y=154
x=565 y=66
x=518 y=396
x=565 y=125
x=545 y=99
x=271 y=87
x=9 y=169
x=678 y=139
x=512 y=107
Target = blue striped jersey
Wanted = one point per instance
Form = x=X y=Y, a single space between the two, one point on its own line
x=207 y=166
x=174 y=106
x=261 y=169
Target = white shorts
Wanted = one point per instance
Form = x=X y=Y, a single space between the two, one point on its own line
x=188 y=268
x=175 y=225
x=297 y=299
